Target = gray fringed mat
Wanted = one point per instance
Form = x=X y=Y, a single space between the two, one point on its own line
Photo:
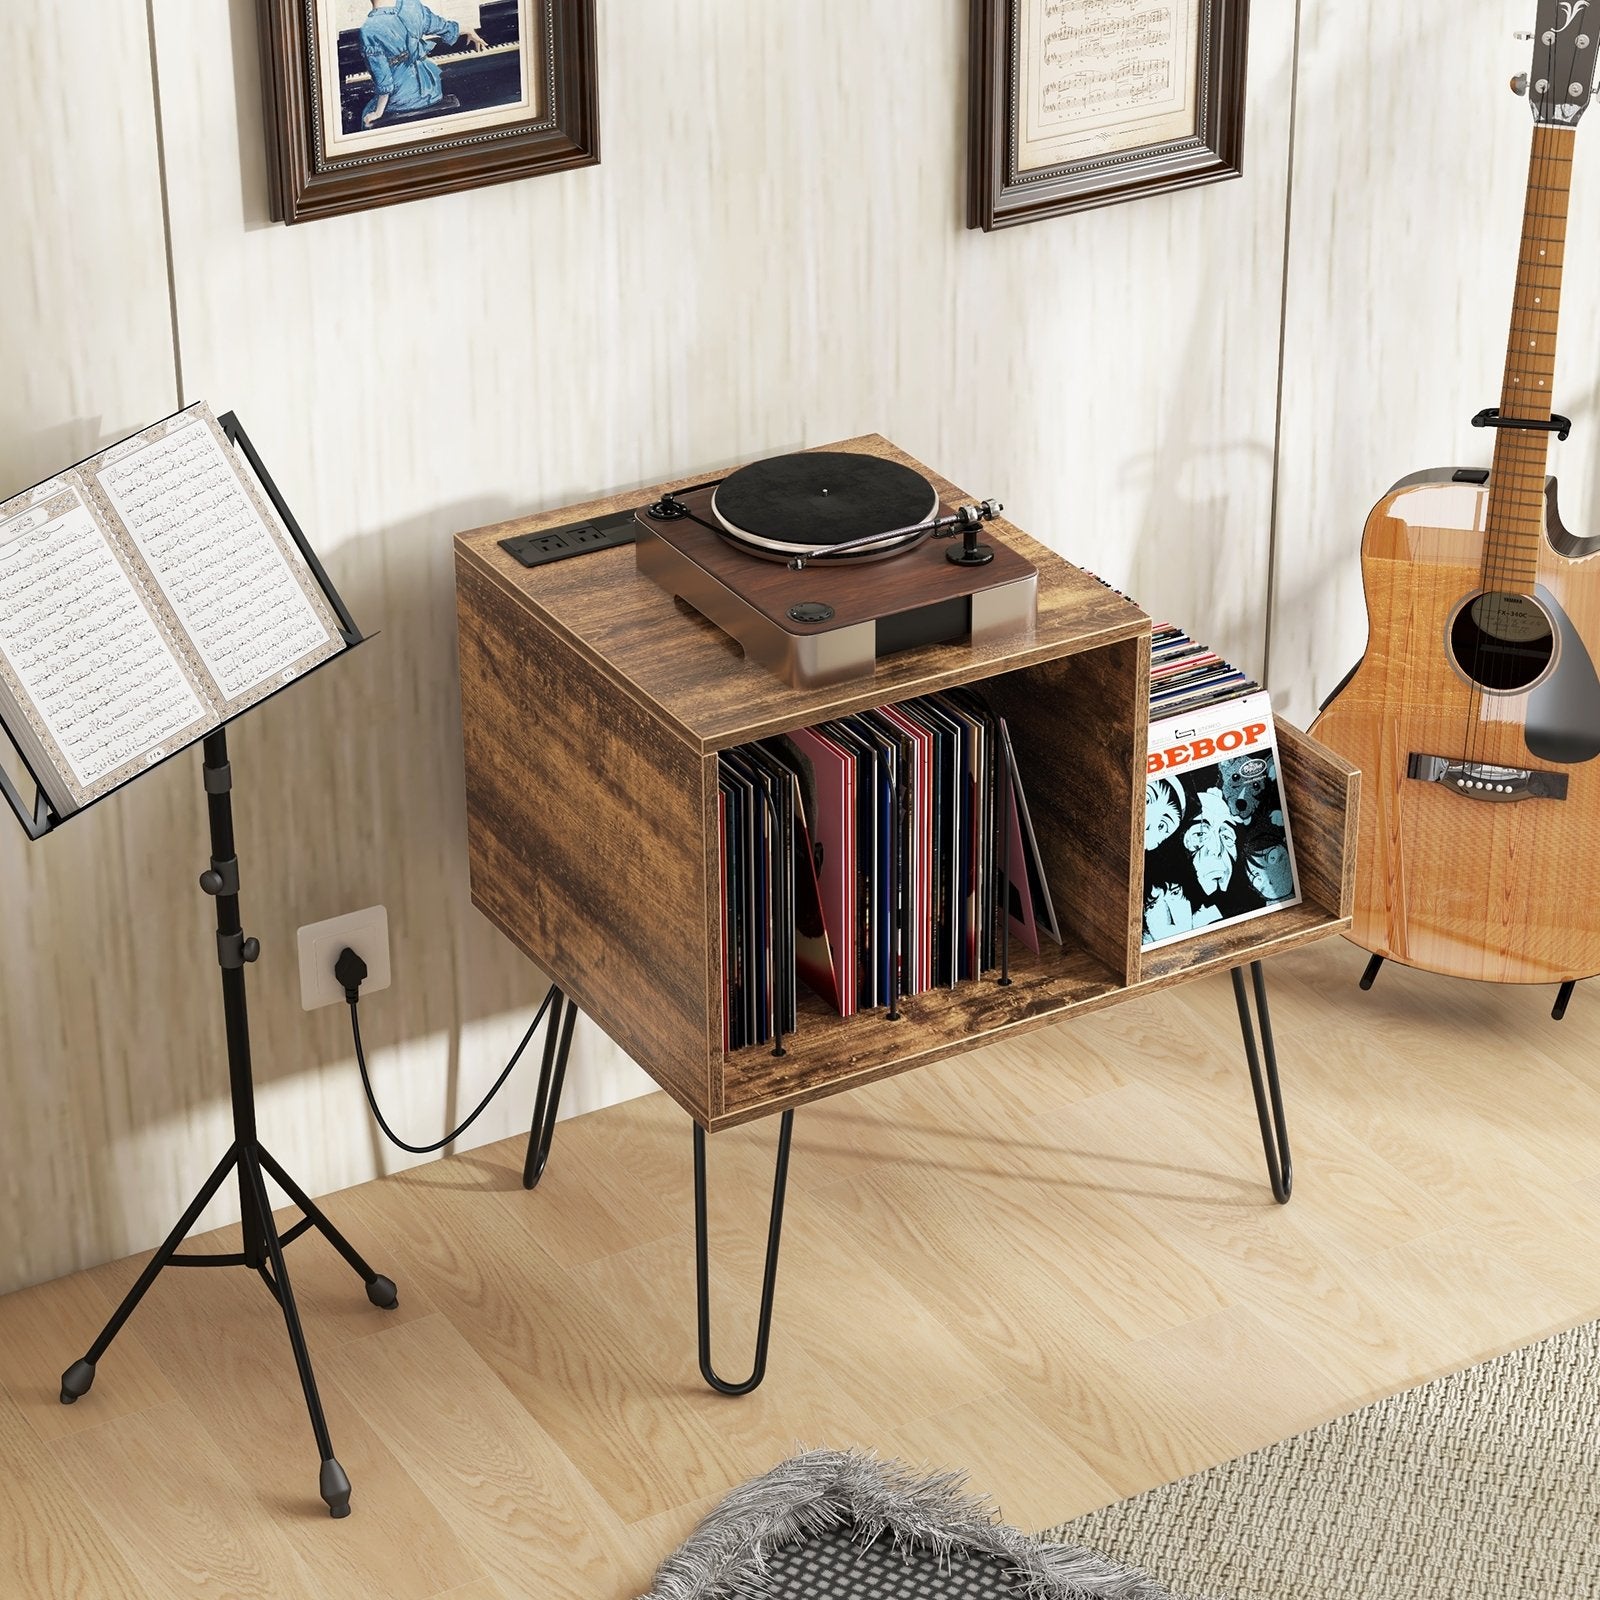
x=832 y=1524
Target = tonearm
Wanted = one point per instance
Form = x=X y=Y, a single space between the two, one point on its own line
x=964 y=519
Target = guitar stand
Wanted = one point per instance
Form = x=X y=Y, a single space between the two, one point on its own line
x=1557 y=1011
x=263 y=1245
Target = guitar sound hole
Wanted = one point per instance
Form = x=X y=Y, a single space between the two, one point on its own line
x=1502 y=642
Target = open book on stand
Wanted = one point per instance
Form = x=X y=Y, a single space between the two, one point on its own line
x=147 y=595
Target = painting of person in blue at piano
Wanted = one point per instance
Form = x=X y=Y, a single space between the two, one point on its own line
x=397 y=40
x=408 y=69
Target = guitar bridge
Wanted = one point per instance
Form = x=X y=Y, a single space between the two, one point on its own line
x=1479 y=780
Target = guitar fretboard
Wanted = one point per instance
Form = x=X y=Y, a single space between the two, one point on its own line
x=1517 y=480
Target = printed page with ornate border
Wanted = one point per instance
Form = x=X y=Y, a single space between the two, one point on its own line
x=1081 y=103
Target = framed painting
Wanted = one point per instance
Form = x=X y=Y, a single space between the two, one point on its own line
x=1080 y=103
x=371 y=102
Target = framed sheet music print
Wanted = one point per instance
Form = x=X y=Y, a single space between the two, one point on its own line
x=370 y=102
x=1079 y=103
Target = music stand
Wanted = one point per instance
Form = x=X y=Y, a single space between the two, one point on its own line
x=263 y=1245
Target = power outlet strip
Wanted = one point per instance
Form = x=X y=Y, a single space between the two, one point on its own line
x=576 y=539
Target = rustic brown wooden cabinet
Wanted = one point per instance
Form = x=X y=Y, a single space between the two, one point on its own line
x=594 y=706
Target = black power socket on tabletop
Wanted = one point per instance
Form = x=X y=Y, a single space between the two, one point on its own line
x=576 y=539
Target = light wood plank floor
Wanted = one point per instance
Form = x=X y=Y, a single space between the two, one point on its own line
x=1053 y=1263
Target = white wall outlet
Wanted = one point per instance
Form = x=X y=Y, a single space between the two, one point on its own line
x=366 y=932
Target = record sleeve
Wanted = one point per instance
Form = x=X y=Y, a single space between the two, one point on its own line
x=1216 y=833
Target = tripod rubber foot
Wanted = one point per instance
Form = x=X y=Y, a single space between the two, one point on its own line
x=335 y=1488
x=382 y=1293
x=76 y=1381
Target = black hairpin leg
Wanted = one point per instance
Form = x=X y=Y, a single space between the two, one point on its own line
x=552 y=1075
x=1269 y=1096
x=1370 y=976
x=1559 y=1009
x=769 y=1281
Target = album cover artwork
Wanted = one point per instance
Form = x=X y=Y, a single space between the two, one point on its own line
x=1216 y=828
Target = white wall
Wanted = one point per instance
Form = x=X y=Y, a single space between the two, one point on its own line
x=771 y=254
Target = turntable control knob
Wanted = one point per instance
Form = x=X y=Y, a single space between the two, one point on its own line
x=811 y=610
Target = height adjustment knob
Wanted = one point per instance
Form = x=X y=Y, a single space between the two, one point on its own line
x=250 y=949
x=211 y=881
x=1519 y=84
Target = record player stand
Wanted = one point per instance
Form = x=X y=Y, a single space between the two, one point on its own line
x=595 y=708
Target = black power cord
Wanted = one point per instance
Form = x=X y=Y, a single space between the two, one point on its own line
x=351 y=971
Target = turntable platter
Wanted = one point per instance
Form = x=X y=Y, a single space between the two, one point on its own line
x=789 y=505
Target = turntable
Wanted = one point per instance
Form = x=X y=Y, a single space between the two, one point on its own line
x=820 y=562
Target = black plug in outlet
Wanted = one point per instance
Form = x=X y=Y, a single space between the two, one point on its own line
x=578 y=539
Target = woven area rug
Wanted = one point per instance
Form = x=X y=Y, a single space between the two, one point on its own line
x=832 y=1525
x=1485 y=1484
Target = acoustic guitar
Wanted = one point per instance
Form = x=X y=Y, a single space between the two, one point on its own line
x=1474 y=713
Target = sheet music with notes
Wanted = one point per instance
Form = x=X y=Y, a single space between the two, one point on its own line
x=1098 y=76
x=146 y=596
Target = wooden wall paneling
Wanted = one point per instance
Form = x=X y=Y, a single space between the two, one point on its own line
x=1410 y=162
x=1135 y=351
x=89 y=917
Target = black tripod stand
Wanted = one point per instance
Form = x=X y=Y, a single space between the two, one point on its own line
x=263 y=1244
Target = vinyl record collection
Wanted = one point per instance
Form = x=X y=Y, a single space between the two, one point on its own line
x=1216 y=828
x=862 y=857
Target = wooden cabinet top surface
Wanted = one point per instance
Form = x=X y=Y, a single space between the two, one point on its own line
x=687 y=673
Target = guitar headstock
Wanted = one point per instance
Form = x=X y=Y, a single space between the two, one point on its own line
x=1566 y=46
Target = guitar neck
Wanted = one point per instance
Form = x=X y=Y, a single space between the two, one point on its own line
x=1517 y=481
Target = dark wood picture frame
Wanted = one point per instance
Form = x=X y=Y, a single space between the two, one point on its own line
x=999 y=196
x=303 y=185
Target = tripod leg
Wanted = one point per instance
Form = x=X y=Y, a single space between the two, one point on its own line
x=380 y=1290
x=79 y=1377
x=1274 y=1127
x=769 y=1280
x=333 y=1485
x=552 y=1075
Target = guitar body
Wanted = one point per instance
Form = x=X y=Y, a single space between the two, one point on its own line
x=1468 y=862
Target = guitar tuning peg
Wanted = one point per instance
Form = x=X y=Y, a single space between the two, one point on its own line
x=1519 y=84
x=1522 y=36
